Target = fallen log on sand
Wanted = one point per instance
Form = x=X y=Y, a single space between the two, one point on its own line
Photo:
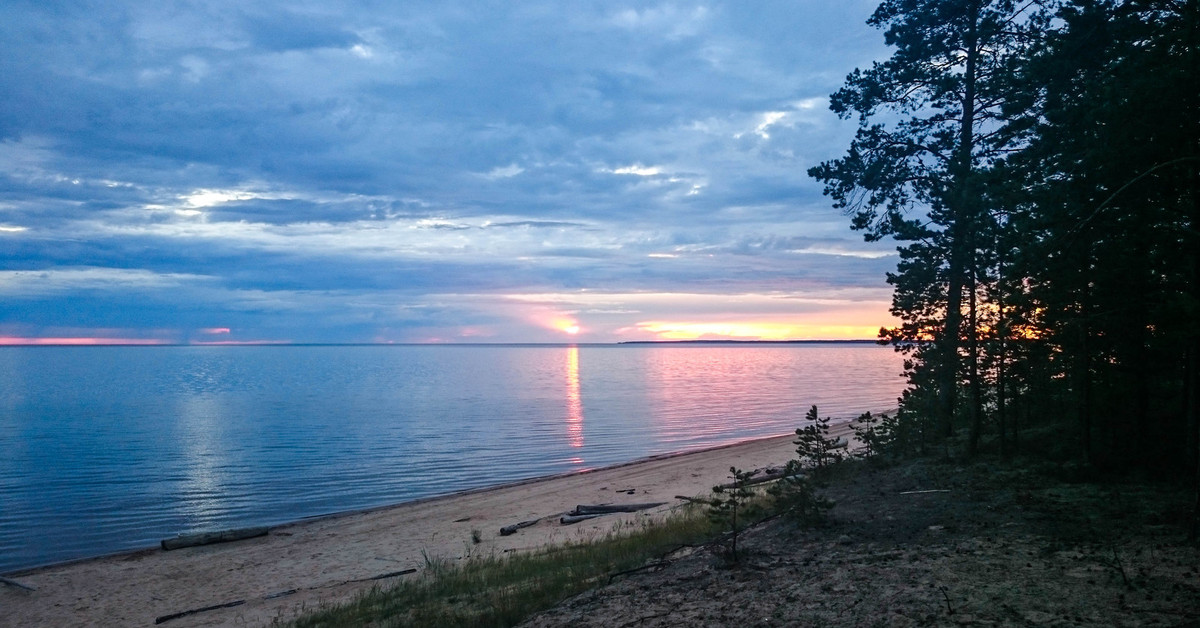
x=512 y=529
x=569 y=519
x=208 y=538
x=195 y=611
x=583 y=512
x=14 y=583
x=769 y=474
x=606 y=509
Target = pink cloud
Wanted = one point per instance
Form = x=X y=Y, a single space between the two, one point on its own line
x=82 y=341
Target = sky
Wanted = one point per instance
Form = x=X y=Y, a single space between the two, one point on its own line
x=245 y=172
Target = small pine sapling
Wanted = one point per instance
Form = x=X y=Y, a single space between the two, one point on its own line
x=730 y=501
x=816 y=450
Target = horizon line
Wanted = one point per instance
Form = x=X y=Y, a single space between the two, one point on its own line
x=99 y=342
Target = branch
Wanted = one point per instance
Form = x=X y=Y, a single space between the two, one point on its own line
x=1141 y=176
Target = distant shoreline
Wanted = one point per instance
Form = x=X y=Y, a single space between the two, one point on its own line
x=436 y=344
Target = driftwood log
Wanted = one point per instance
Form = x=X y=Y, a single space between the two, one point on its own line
x=759 y=476
x=607 y=509
x=194 y=611
x=569 y=519
x=208 y=538
x=393 y=574
x=14 y=583
x=512 y=529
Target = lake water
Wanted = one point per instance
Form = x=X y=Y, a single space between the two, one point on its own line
x=110 y=448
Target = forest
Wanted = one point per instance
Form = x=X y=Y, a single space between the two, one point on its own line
x=1038 y=165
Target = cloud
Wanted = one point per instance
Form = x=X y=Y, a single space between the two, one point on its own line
x=24 y=284
x=331 y=171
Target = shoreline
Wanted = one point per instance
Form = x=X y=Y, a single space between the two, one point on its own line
x=15 y=573
x=331 y=558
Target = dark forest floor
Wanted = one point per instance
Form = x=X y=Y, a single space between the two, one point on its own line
x=997 y=544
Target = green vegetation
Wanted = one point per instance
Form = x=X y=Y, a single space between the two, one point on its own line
x=815 y=449
x=727 y=501
x=1038 y=164
x=503 y=590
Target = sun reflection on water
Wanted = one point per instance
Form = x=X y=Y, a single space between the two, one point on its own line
x=574 y=402
x=204 y=494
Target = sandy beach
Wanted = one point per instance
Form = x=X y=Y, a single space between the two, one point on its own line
x=308 y=564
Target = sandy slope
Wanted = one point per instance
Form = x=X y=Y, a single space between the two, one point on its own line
x=331 y=559
x=934 y=543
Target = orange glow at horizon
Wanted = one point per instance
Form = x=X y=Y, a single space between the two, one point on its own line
x=747 y=330
x=565 y=324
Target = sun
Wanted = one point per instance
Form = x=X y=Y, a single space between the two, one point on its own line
x=571 y=329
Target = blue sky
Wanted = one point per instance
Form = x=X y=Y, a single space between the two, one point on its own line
x=429 y=171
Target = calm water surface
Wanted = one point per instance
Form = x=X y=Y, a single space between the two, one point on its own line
x=111 y=448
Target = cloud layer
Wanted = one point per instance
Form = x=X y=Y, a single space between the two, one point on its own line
x=440 y=171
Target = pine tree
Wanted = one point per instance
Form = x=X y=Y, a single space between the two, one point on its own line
x=1110 y=223
x=728 y=506
x=930 y=125
x=815 y=449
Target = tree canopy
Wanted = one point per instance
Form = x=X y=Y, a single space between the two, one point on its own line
x=1038 y=164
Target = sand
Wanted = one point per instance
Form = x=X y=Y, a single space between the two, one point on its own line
x=317 y=562
x=933 y=542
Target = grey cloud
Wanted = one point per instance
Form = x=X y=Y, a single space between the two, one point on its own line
x=357 y=134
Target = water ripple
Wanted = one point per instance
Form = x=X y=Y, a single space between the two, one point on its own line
x=113 y=448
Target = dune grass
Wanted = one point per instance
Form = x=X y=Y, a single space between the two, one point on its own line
x=504 y=590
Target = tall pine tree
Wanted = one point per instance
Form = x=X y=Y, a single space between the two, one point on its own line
x=931 y=124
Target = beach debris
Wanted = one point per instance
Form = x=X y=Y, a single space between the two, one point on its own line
x=273 y=596
x=694 y=500
x=14 y=583
x=606 y=509
x=166 y=618
x=463 y=520
x=570 y=519
x=759 y=476
x=932 y=490
x=583 y=512
x=512 y=529
x=208 y=538
x=390 y=574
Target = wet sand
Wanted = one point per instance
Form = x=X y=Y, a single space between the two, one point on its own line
x=316 y=562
